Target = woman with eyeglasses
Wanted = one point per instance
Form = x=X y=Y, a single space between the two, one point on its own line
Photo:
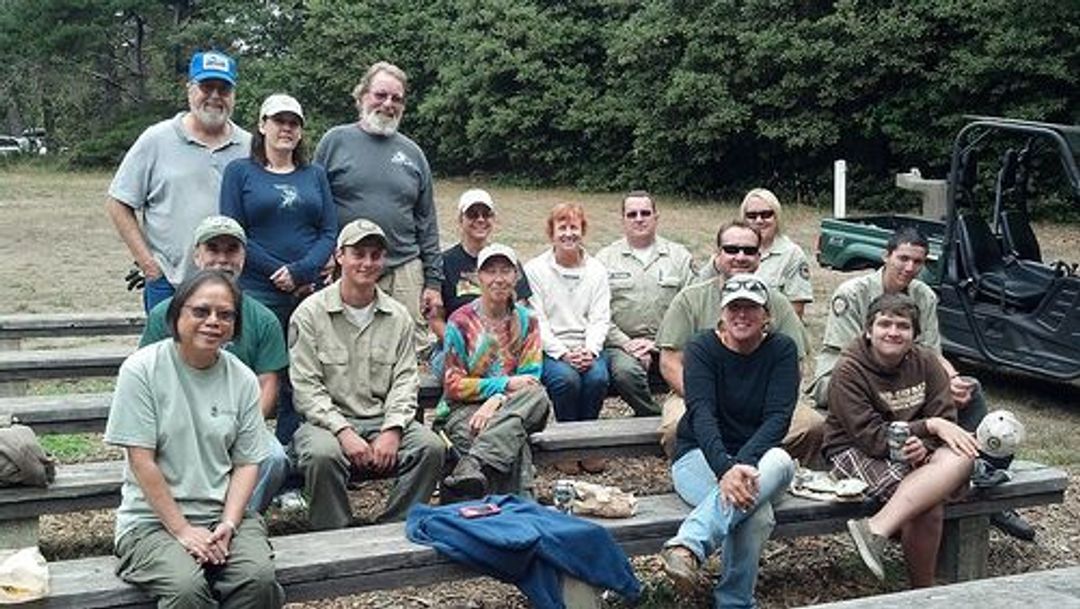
x=572 y=299
x=186 y=413
x=741 y=386
x=285 y=206
x=783 y=263
x=492 y=384
x=461 y=284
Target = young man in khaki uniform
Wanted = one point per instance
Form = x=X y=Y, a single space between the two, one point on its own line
x=697 y=308
x=645 y=272
x=354 y=374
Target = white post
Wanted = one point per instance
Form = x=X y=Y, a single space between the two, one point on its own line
x=840 y=189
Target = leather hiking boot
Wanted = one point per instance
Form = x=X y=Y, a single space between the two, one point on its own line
x=681 y=566
x=467 y=481
x=1013 y=524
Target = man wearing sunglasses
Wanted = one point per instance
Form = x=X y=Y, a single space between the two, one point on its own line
x=220 y=244
x=904 y=258
x=645 y=272
x=378 y=174
x=697 y=308
x=460 y=286
x=171 y=176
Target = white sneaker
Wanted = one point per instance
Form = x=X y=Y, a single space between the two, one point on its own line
x=291 y=501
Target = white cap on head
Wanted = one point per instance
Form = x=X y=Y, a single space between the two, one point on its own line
x=280 y=102
x=1000 y=433
x=744 y=286
x=474 y=196
x=493 y=251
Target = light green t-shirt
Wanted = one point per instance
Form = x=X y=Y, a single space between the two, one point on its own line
x=200 y=423
x=261 y=344
x=697 y=308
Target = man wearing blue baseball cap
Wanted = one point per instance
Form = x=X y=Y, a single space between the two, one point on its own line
x=171 y=176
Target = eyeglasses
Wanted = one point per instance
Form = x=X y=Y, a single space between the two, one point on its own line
x=200 y=312
x=750 y=285
x=381 y=96
x=214 y=85
x=639 y=213
x=764 y=214
x=731 y=250
x=476 y=211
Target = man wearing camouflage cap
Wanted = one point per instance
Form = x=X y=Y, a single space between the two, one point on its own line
x=354 y=374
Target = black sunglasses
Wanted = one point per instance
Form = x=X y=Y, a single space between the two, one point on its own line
x=731 y=250
x=639 y=213
x=764 y=214
x=476 y=211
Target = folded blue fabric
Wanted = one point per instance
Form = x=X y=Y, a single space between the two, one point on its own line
x=528 y=545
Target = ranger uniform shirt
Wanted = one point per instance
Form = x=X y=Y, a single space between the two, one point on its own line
x=785 y=268
x=339 y=370
x=642 y=292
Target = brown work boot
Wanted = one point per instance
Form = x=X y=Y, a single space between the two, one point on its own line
x=570 y=468
x=467 y=481
x=681 y=566
x=593 y=465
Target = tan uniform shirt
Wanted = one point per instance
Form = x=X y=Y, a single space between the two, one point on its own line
x=847 y=320
x=785 y=268
x=641 y=293
x=339 y=370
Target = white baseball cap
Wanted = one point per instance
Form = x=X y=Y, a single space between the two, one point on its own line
x=280 y=102
x=1000 y=433
x=474 y=196
x=744 y=286
x=495 y=250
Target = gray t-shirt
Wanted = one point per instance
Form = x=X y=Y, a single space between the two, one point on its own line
x=175 y=181
x=387 y=180
x=200 y=423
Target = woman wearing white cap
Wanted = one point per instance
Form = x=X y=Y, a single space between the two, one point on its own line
x=492 y=383
x=741 y=386
x=286 y=209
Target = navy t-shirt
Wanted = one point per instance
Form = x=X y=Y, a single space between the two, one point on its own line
x=460 y=285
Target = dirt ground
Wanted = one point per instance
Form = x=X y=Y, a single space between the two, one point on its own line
x=59 y=253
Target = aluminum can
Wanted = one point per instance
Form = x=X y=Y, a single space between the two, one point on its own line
x=563 y=496
x=897 y=435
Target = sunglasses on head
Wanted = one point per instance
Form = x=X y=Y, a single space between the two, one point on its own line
x=731 y=250
x=200 y=312
x=639 y=213
x=764 y=214
x=752 y=285
x=477 y=211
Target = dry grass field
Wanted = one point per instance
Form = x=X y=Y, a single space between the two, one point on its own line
x=58 y=252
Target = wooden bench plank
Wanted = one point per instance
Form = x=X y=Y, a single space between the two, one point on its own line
x=333 y=563
x=1059 y=588
x=68 y=413
x=61 y=363
x=57 y=325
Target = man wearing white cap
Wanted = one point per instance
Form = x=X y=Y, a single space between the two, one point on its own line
x=171 y=176
x=460 y=286
x=355 y=381
x=377 y=173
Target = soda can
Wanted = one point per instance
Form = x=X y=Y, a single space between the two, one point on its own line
x=563 y=496
x=897 y=435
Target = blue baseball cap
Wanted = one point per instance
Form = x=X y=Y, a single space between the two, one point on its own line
x=212 y=64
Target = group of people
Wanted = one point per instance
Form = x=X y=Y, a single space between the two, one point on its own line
x=313 y=293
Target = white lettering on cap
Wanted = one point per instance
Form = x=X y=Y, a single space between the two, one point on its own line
x=212 y=61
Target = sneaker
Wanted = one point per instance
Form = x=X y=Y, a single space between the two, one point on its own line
x=467 y=481
x=291 y=501
x=1013 y=524
x=681 y=566
x=871 y=547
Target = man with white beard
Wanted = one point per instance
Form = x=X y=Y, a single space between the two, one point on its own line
x=379 y=174
x=172 y=175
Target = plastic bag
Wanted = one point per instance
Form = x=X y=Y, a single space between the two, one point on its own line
x=24 y=576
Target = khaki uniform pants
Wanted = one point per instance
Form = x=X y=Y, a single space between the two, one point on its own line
x=152 y=559
x=802 y=442
x=327 y=471
x=503 y=446
x=631 y=382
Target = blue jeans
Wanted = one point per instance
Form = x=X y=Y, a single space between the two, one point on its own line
x=272 y=472
x=713 y=525
x=576 y=396
x=155 y=291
